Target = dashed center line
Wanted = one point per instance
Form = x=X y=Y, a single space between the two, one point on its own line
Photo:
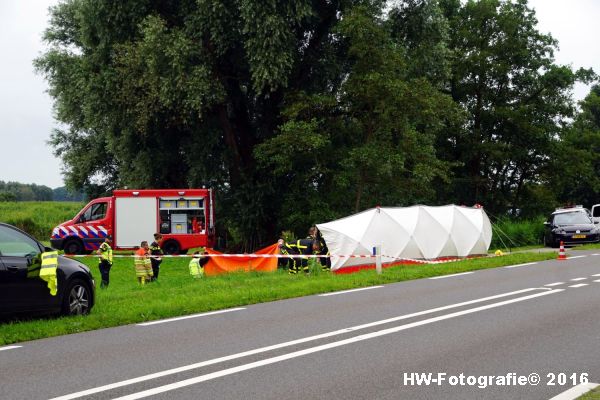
x=578 y=279
x=520 y=265
x=350 y=291
x=9 y=347
x=577 y=257
x=554 y=284
x=596 y=275
x=597 y=280
x=579 y=285
x=450 y=276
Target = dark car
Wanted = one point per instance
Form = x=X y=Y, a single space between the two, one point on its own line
x=571 y=226
x=22 y=290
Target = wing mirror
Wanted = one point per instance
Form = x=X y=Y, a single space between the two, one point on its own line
x=30 y=259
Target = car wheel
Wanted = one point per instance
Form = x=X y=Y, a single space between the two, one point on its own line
x=77 y=298
x=73 y=246
x=172 y=247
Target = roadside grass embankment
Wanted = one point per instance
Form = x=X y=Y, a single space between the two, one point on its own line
x=593 y=394
x=38 y=218
x=176 y=293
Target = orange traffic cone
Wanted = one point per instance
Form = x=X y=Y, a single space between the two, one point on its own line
x=561 y=252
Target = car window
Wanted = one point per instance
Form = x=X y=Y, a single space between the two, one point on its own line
x=572 y=218
x=16 y=244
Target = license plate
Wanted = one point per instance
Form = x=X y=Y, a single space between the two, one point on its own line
x=579 y=236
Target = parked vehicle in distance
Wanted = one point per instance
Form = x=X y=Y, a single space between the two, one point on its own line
x=573 y=225
x=22 y=290
x=184 y=217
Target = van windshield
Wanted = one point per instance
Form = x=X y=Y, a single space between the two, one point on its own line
x=569 y=218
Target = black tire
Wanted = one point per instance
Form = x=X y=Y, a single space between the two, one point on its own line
x=77 y=298
x=73 y=246
x=171 y=247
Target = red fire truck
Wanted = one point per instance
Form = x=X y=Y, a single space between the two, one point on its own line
x=184 y=217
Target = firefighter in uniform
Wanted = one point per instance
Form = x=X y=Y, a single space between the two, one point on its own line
x=287 y=262
x=143 y=268
x=105 y=261
x=156 y=254
x=300 y=247
x=315 y=233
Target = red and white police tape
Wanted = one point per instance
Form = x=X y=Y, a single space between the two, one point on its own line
x=412 y=260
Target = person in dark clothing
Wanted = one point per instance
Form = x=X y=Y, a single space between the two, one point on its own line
x=156 y=254
x=285 y=262
x=315 y=233
x=300 y=247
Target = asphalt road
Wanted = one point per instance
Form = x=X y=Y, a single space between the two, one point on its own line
x=385 y=342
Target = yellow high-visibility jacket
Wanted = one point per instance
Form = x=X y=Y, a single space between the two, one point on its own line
x=48 y=270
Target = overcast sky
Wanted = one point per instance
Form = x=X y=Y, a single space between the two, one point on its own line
x=26 y=110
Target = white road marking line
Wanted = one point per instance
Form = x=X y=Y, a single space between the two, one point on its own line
x=596 y=275
x=576 y=257
x=349 y=291
x=9 y=347
x=576 y=391
x=355 y=339
x=578 y=279
x=450 y=276
x=520 y=265
x=554 y=284
x=279 y=346
x=579 y=285
x=162 y=321
x=595 y=254
x=597 y=280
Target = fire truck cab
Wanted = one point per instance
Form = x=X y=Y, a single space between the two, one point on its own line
x=184 y=217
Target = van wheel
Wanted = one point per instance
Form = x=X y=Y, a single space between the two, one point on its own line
x=77 y=298
x=73 y=246
x=171 y=247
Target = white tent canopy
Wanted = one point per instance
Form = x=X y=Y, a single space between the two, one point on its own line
x=417 y=232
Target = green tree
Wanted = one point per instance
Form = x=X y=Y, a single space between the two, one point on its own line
x=177 y=94
x=576 y=156
x=367 y=142
x=516 y=98
x=15 y=191
x=6 y=196
x=422 y=30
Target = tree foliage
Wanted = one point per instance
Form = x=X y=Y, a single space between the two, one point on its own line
x=304 y=110
x=15 y=191
x=516 y=98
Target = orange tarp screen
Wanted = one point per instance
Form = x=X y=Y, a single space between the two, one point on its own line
x=223 y=265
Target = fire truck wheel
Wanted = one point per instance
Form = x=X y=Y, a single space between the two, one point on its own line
x=73 y=246
x=171 y=247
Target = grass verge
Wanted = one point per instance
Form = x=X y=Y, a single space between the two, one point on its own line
x=176 y=293
x=593 y=394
